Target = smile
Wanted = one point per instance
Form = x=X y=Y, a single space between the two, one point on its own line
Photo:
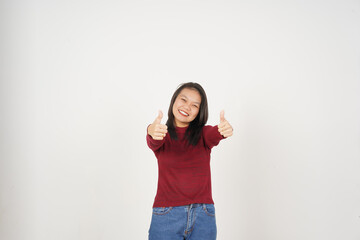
x=185 y=114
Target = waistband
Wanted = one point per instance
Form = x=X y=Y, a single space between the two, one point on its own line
x=195 y=205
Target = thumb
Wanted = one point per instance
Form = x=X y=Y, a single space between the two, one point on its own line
x=222 y=118
x=159 y=117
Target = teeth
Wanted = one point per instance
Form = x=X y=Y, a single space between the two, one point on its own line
x=183 y=113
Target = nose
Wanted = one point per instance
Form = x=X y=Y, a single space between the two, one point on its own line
x=187 y=106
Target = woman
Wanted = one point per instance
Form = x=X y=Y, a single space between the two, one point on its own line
x=183 y=206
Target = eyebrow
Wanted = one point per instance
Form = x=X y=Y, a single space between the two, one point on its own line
x=182 y=95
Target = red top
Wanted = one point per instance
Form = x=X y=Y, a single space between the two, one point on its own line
x=184 y=170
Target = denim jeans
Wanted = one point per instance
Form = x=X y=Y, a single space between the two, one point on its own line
x=189 y=222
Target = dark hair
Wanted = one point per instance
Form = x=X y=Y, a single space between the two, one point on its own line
x=194 y=130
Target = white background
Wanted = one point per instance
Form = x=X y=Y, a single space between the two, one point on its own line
x=81 y=80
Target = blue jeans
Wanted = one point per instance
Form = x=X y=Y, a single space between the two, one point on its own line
x=189 y=222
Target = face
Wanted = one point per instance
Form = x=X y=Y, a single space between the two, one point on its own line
x=186 y=107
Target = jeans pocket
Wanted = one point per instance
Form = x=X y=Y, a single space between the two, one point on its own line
x=161 y=210
x=209 y=209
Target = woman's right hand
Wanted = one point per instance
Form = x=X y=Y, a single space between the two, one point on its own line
x=157 y=130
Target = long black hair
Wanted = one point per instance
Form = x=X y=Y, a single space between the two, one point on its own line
x=194 y=130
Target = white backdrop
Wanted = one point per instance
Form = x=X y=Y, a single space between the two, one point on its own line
x=81 y=80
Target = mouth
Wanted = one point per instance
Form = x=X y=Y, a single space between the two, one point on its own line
x=183 y=113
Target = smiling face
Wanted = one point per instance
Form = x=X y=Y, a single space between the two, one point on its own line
x=186 y=107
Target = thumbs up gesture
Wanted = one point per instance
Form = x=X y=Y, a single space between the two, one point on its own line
x=157 y=130
x=224 y=126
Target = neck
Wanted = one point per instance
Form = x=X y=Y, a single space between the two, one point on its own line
x=181 y=125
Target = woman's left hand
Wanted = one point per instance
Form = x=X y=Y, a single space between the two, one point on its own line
x=224 y=127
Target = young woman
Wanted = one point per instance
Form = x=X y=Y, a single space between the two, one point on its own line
x=183 y=206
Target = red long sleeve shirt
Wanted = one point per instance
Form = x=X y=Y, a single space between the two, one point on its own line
x=184 y=170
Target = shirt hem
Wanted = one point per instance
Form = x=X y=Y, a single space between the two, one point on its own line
x=176 y=204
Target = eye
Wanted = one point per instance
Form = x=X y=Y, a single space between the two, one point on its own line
x=183 y=99
x=196 y=106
